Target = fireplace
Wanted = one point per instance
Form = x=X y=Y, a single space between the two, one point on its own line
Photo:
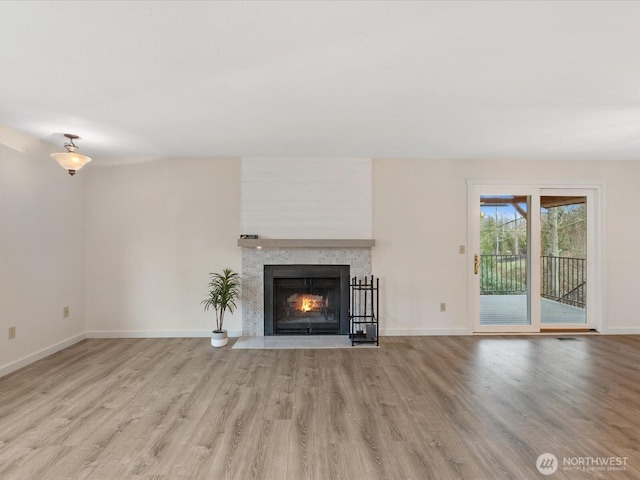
x=306 y=299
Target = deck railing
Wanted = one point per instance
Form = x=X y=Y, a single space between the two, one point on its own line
x=503 y=274
x=563 y=279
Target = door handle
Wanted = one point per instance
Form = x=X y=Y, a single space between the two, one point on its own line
x=476 y=263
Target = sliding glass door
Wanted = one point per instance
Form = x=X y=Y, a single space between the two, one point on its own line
x=563 y=263
x=503 y=269
x=530 y=258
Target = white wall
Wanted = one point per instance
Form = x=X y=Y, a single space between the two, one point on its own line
x=42 y=251
x=420 y=215
x=154 y=232
x=622 y=238
x=307 y=197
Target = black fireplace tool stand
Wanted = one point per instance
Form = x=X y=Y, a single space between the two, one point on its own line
x=363 y=310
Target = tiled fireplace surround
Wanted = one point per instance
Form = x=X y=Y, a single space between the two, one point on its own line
x=254 y=260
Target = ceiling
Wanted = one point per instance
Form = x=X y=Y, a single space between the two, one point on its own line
x=459 y=80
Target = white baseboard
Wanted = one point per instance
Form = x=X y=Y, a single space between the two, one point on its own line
x=423 y=332
x=157 y=333
x=39 y=355
x=622 y=331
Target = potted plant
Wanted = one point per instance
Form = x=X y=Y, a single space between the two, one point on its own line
x=224 y=289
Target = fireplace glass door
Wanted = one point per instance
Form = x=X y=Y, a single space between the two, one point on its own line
x=306 y=306
x=306 y=299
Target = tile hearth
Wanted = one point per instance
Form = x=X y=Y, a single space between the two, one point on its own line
x=297 y=342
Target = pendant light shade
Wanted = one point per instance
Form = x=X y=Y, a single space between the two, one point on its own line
x=70 y=160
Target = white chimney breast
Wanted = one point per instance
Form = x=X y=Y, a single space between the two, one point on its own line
x=307 y=198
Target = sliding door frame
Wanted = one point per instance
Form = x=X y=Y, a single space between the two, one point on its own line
x=595 y=281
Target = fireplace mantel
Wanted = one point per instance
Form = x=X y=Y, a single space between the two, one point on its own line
x=305 y=243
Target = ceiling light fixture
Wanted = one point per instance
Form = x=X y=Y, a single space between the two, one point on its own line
x=70 y=160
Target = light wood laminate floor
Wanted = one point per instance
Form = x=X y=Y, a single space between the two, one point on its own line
x=416 y=408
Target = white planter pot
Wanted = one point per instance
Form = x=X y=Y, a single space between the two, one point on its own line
x=219 y=339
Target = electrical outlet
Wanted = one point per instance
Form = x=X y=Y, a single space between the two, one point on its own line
x=462 y=249
x=443 y=307
x=12 y=333
x=65 y=312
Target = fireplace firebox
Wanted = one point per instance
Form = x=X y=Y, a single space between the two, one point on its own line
x=306 y=299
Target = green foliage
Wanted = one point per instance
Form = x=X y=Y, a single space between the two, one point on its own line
x=490 y=285
x=504 y=235
x=503 y=245
x=224 y=289
x=572 y=231
x=508 y=278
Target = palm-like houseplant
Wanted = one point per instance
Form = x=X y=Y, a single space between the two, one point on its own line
x=224 y=289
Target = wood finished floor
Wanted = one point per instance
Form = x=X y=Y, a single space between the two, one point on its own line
x=417 y=408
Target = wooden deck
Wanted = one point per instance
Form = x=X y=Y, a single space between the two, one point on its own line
x=512 y=310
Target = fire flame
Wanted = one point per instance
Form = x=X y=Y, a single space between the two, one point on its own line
x=307 y=304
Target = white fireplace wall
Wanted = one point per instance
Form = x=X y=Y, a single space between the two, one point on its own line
x=307 y=198
x=253 y=262
x=302 y=198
